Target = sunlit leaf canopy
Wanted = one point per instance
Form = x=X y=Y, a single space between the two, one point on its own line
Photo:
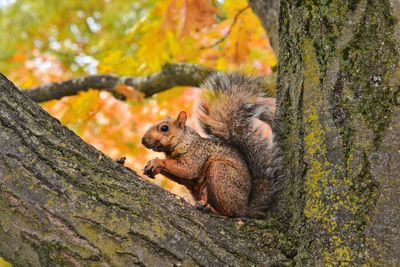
x=53 y=40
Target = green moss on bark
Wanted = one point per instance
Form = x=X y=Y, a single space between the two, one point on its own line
x=341 y=70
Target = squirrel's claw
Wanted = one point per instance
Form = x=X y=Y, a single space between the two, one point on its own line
x=148 y=170
x=151 y=168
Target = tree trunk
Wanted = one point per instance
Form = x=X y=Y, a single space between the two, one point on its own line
x=64 y=203
x=338 y=105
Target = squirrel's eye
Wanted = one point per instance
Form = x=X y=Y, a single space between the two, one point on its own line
x=164 y=128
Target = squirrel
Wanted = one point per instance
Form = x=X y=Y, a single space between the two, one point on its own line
x=236 y=170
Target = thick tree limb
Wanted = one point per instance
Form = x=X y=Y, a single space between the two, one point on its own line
x=64 y=203
x=171 y=75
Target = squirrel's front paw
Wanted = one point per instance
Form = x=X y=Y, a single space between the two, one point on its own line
x=152 y=167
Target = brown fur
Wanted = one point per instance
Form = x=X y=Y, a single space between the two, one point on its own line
x=215 y=173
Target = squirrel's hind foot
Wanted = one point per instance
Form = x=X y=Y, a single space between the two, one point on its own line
x=204 y=206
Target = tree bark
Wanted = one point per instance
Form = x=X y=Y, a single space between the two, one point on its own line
x=338 y=105
x=64 y=203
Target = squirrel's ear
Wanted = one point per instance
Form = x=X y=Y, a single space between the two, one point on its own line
x=181 y=120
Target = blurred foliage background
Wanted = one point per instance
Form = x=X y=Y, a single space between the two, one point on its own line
x=52 y=40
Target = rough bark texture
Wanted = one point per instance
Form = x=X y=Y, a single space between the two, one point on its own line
x=63 y=203
x=338 y=103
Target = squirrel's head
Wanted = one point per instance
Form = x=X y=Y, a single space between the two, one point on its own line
x=165 y=135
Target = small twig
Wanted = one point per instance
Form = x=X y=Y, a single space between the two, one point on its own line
x=235 y=18
x=121 y=160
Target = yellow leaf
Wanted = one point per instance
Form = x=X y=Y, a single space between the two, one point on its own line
x=3 y=263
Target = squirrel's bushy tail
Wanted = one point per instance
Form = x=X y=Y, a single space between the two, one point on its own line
x=236 y=110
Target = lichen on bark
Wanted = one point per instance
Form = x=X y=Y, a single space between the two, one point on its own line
x=336 y=91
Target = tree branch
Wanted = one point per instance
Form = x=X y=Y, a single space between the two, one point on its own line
x=223 y=38
x=169 y=76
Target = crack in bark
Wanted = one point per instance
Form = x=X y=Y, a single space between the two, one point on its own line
x=67 y=228
x=103 y=227
x=198 y=241
x=156 y=246
x=73 y=257
x=135 y=258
